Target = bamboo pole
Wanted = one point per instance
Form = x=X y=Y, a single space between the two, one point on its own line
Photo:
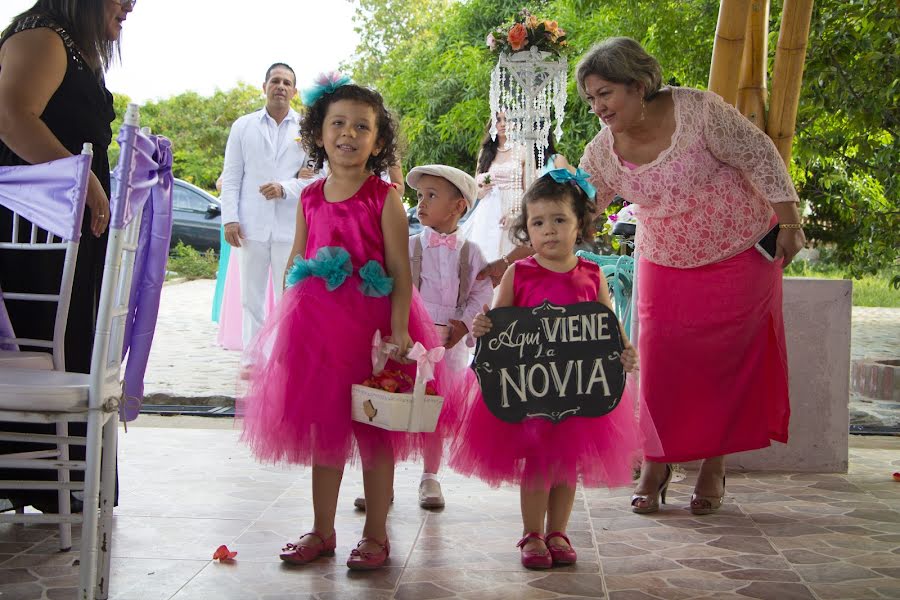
x=752 y=91
x=787 y=74
x=728 y=48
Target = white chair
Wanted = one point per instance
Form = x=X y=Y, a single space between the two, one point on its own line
x=29 y=395
x=60 y=187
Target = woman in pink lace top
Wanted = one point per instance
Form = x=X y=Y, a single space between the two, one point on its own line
x=707 y=185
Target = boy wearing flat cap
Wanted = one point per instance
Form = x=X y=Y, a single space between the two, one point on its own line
x=444 y=269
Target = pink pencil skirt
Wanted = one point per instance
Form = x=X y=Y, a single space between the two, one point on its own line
x=714 y=376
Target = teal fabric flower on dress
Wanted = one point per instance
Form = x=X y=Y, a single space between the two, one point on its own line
x=375 y=282
x=298 y=271
x=331 y=263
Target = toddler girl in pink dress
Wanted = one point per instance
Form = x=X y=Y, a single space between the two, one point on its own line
x=547 y=459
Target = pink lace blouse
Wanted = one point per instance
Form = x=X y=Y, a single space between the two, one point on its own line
x=706 y=197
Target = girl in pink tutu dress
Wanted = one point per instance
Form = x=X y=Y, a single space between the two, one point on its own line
x=350 y=277
x=547 y=460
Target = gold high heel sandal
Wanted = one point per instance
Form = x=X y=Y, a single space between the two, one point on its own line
x=707 y=505
x=651 y=503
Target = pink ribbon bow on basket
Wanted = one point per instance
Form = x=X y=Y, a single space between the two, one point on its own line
x=381 y=352
x=426 y=360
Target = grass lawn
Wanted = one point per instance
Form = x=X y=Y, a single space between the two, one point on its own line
x=871 y=290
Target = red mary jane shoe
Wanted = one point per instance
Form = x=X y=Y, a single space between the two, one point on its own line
x=534 y=559
x=297 y=554
x=561 y=555
x=361 y=560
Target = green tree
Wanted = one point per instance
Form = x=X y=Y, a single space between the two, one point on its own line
x=846 y=151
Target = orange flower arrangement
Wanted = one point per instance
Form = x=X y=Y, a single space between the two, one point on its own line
x=527 y=31
x=517 y=37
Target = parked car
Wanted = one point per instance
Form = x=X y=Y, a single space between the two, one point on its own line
x=196 y=216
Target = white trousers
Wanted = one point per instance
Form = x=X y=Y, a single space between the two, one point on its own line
x=257 y=258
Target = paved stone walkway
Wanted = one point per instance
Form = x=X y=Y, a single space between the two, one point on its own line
x=187 y=363
x=185 y=360
x=183 y=492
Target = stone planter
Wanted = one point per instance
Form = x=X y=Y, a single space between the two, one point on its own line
x=878 y=379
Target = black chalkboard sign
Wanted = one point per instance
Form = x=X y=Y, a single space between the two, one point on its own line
x=551 y=361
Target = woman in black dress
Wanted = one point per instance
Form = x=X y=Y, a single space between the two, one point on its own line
x=52 y=100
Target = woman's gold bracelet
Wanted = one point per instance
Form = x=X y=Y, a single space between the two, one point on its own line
x=790 y=226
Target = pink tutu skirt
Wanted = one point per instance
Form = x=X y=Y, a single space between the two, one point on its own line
x=539 y=454
x=311 y=350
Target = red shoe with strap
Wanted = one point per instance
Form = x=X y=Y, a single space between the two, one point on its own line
x=362 y=560
x=561 y=555
x=300 y=554
x=534 y=559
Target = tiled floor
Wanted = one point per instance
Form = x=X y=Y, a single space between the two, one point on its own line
x=185 y=491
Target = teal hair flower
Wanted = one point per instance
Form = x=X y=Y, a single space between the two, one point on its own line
x=331 y=263
x=325 y=83
x=375 y=282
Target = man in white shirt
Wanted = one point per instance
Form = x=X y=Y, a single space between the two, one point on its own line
x=261 y=192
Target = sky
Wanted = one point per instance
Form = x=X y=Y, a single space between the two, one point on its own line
x=173 y=46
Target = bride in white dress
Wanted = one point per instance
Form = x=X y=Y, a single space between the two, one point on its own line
x=499 y=175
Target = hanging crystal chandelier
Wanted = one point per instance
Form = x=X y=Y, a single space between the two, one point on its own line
x=529 y=87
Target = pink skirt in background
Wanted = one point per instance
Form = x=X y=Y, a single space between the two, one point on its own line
x=713 y=361
x=231 y=315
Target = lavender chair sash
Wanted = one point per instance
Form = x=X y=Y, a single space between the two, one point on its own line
x=145 y=187
x=50 y=195
x=47 y=194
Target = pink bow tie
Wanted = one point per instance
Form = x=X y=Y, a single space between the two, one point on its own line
x=442 y=240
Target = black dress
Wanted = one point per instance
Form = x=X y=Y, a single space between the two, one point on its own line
x=81 y=110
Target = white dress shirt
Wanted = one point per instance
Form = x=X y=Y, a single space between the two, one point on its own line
x=259 y=151
x=439 y=287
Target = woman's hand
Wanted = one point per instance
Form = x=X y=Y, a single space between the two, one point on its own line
x=306 y=173
x=484 y=189
x=98 y=204
x=481 y=324
x=788 y=243
x=629 y=358
x=495 y=271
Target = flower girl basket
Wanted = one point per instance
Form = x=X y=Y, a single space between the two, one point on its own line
x=413 y=412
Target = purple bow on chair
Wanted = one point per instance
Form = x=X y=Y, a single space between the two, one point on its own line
x=145 y=185
x=47 y=195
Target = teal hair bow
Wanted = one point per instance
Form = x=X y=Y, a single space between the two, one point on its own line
x=326 y=83
x=580 y=178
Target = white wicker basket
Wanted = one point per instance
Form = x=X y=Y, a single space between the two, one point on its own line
x=413 y=412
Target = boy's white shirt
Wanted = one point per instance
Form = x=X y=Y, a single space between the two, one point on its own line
x=439 y=286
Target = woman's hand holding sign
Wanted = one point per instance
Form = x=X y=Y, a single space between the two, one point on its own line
x=629 y=356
